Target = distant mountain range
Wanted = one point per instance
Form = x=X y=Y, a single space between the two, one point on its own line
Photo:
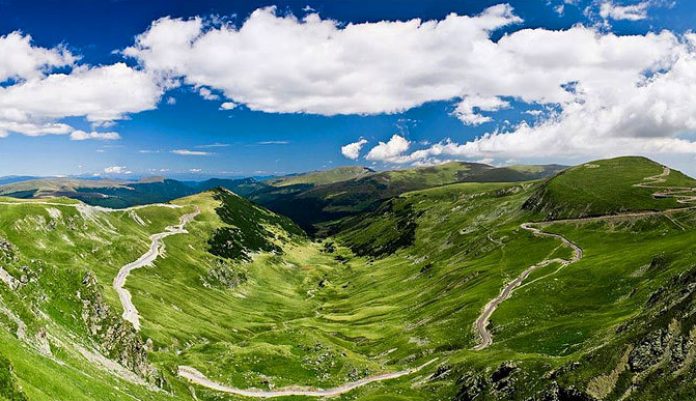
x=311 y=199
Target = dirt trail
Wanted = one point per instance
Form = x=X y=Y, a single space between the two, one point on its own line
x=196 y=377
x=130 y=313
x=481 y=323
x=683 y=195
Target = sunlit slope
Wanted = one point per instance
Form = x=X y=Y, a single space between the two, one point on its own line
x=61 y=327
x=322 y=177
x=314 y=205
x=607 y=187
x=246 y=299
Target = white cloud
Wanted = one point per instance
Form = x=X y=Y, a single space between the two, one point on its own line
x=171 y=100
x=35 y=98
x=228 y=106
x=187 y=152
x=468 y=110
x=633 y=12
x=609 y=92
x=21 y=60
x=116 y=170
x=213 y=145
x=207 y=94
x=391 y=151
x=273 y=142
x=352 y=150
x=80 y=135
x=278 y=63
x=195 y=170
x=101 y=94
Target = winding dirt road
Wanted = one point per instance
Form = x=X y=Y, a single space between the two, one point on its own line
x=130 y=313
x=683 y=195
x=196 y=377
x=481 y=324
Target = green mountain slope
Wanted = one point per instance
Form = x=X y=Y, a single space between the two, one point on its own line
x=237 y=300
x=608 y=187
x=321 y=177
x=312 y=205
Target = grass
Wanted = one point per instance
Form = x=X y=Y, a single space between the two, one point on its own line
x=397 y=288
x=604 y=187
x=322 y=177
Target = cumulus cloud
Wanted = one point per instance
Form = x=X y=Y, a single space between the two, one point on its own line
x=391 y=151
x=187 y=152
x=35 y=98
x=352 y=150
x=279 y=63
x=21 y=60
x=468 y=110
x=228 y=105
x=632 y=12
x=603 y=90
x=80 y=135
x=207 y=94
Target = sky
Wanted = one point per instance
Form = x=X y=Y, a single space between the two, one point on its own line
x=240 y=88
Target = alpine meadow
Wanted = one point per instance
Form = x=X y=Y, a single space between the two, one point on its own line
x=397 y=200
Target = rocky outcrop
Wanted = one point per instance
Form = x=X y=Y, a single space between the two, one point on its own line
x=115 y=337
x=558 y=393
x=223 y=276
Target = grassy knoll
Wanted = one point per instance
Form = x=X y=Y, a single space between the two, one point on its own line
x=604 y=187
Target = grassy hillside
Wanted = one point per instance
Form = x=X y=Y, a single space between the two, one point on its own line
x=244 y=297
x=321 y=177
x=606 y=187
x=312 y=205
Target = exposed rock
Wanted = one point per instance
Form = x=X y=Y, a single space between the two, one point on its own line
x=649 y=351
x=224 y=276
x=503 y=380
x=471 y=386
x=116 y=338
x=558 y=393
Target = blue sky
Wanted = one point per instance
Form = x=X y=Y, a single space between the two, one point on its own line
x=278 y=125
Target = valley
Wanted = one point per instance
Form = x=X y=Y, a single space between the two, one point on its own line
x=577 y=285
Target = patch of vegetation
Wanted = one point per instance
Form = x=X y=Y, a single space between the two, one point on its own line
x=250 y=230
x=9 y=390
x=314 y=206
x=382 y=232
x=318 y=314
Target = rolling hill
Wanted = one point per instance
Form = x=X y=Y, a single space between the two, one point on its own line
x=464 y=291
x=321 y=177
x=313 y=206
x=620 y=185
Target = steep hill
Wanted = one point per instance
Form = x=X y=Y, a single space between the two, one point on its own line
x=611 y=186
